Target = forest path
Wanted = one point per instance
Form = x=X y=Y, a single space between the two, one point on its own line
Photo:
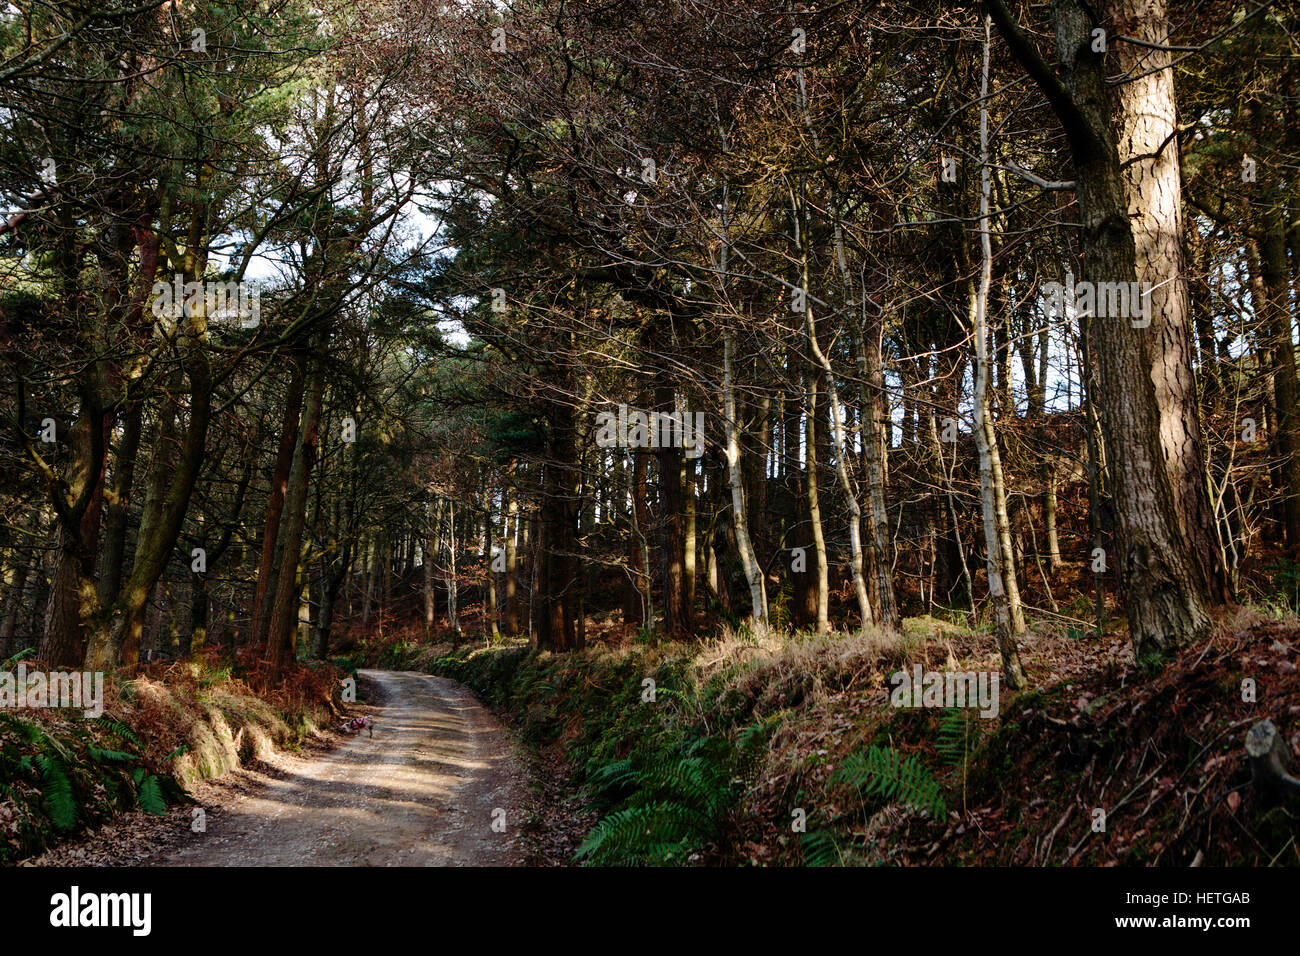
x=423 y=792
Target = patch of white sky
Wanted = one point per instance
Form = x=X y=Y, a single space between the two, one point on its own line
x=418 y=231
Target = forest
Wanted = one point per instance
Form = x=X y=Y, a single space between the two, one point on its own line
x=772 y=432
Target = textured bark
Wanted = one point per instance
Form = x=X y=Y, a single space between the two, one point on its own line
x=812 y=495
x=282 y=629
x=1146 y=120
x=1164 y=600
x=739 y=518
x=1000 y=562
x=871 y=371
x=267 y=567
x=677 y=622
x=1049 y=518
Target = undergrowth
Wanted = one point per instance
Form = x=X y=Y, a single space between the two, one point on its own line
x=62 y=773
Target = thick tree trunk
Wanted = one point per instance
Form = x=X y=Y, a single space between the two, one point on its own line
x=120 y=625
x=1164 y=599
x=1147 y=141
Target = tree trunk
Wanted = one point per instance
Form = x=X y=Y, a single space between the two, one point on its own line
x=841 y=452
x=267 y=568
x=511 y=616
x=1148 y=154
x=753 y=573
x=872 y=374
x=284 y=611
x=1163 y=597
x=1000 y=561
x=812 y=494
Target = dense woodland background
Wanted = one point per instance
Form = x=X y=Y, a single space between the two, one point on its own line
x=473 y=227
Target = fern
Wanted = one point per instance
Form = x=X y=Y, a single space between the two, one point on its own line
x=56 y=791
x=32 y=732
x=658 y=832
x=151 y=797
x=121 y=730
x=8 y=665
x=100 y=755
x=954 y=736
x=882 y=774
x=821 y=849
x=664 y=810
x=64 y=772
x=51 y=761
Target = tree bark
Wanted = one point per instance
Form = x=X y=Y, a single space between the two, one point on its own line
x=267 y=568
x=1164 y=599
x=1146 y=120
x=284 y=610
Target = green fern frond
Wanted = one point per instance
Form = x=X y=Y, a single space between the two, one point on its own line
x=953 y=740
x=32 y=732
x=656 y=832
x=151 y=797
x=56 y=791
x=674 y=805
x=100 y=755
x=8 y=665
x=882 y=774
x=821 y=849
x=121 y=730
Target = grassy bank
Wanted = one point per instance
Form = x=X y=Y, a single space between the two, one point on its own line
x=783 y=749
x=62 y=773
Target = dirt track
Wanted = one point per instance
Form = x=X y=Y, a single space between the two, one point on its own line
x=422 y=792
